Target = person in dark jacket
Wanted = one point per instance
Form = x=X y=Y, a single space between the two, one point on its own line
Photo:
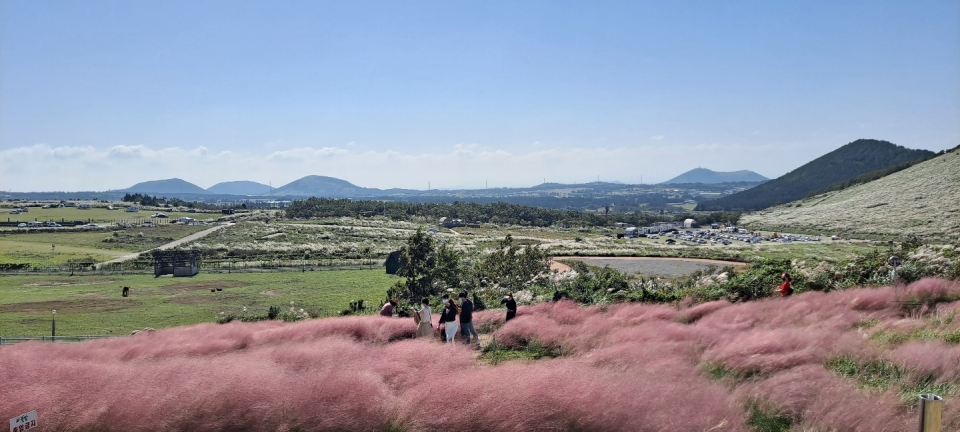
x=466 y=320
x=448 y=318
x=511 y=306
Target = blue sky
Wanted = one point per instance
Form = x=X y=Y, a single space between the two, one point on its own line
x=99 y=95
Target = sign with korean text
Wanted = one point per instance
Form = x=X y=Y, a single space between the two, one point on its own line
x=24 y=422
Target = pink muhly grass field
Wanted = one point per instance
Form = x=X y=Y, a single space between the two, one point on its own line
x=631 y=367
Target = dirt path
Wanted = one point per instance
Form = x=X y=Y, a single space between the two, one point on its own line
x=171 y=245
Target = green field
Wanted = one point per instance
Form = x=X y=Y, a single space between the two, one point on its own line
x=93 y=305
x=98 y=215
x=36 y=248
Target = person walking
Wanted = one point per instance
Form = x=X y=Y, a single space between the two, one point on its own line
x=422 y=318
x=785 y=289
x=466 y=320
x=511 y=306
x=449 y=319
x=387 y=309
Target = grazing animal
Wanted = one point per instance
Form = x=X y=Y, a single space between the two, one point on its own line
x=126 y=291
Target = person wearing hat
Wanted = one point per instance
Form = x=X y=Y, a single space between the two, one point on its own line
x=466 y=320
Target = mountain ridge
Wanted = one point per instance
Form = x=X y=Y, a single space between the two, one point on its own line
x=240 y=187
x=166 y=186
x=850 y=161
x=920 y=200
x=708 y=176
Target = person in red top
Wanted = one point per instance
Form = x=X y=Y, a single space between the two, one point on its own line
x=785 y=288
x=387 y=309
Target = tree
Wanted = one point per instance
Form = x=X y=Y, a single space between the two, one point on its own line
x=512 y=268
x=428 y=266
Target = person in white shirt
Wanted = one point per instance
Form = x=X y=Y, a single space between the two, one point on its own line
x=423 y=317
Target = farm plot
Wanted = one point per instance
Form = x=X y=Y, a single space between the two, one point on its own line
x=253 y=240
x=656 y=267
x=101 y=215
x=37 y=248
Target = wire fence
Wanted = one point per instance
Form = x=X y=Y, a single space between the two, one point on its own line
x=141 y=268
x=10 y=340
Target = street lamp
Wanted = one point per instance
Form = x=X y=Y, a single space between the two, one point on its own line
x=53 y=330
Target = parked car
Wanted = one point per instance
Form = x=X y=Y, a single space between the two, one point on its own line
x=15 y=211
x=21 y=225
x=53 y=225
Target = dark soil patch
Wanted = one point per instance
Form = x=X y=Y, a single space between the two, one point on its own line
x=205 y=299
x=71 y=282
x=73 y=306
x=204 y=286
x=198 y=293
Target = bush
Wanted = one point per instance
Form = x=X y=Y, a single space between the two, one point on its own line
x=759 y=280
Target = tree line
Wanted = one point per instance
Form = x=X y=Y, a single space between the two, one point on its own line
x=496 y=213
x=149 y=200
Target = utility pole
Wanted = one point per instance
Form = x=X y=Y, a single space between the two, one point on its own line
x=53 y=330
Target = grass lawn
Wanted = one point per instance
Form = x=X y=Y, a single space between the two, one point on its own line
x=92 y=305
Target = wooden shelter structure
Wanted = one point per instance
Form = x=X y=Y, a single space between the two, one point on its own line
x=176 y=263
x=393 y=263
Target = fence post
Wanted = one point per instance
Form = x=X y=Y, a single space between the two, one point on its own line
x=931 y=406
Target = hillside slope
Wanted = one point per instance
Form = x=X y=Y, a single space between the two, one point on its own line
x=239 y=188
x=923 y=200
x=850 y=161
x=321 y=186
x=708 y=176
x=168 y=186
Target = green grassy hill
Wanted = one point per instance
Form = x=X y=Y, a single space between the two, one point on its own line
x=853 y=160
x=922 y=200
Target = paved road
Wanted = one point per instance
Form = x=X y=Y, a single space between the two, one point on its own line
x=171 y=245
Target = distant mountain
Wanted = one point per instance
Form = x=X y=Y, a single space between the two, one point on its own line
x=706 y=176
x=239 y=188
x=921 y=200
x=169 y=186
x=322 y=186
x=855 y=159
